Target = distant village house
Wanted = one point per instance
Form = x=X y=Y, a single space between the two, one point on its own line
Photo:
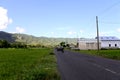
x=109 y=42
x=104 y=42
x=88 y=44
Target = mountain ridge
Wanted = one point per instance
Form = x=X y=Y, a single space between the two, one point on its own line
x=33 y=40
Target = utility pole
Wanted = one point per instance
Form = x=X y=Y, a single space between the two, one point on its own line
x=97 y=34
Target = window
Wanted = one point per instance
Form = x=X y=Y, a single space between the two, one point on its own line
x=115 y=45
x=77 y=44
x=112 y=37
x=87 y=44
x=107 y=37
x=92 y=45
x=109 y=45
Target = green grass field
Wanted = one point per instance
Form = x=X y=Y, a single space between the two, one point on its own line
x=112 y=54
x=28 y=64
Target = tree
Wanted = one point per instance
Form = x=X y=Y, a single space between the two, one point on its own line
x=4 y=44
x=67 y=45
x=63 y=44
x=1 y=44
x=18 y=45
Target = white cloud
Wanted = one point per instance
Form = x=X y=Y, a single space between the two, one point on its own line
x=74 y=32
x=105 y=33
x=118 y=29
x=81 y=31
x=71 y=32
x=63 y=28
x=10 y=21
x=52 y=32
x=4 y=20
x=20 y=30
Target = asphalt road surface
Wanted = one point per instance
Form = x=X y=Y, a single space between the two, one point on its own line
x=76 y=66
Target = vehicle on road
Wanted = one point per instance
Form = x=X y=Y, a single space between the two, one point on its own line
x=60 y=48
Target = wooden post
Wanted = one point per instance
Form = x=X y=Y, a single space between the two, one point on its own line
x=98 y=48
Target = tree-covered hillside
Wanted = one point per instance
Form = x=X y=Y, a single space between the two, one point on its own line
x=32 y=40
x=7 y=36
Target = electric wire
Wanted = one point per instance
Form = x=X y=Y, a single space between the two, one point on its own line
x=105 y=11
x=109 y=8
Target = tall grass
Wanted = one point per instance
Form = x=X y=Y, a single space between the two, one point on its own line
x=112 y=54
x=28 y=64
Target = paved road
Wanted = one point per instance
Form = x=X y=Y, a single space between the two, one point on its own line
x=75 y=66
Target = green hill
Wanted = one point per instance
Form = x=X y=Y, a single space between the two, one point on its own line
x=32 y=40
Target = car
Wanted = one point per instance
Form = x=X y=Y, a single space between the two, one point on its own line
x=60 y=49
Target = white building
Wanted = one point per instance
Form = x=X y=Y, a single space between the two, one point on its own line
x=109 y=42
x=88 y=44
x=104 y=42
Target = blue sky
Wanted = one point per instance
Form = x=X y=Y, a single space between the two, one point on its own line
x=60 y=18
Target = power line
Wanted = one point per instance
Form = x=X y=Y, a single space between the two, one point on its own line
x=104 y=22
x=110 y=7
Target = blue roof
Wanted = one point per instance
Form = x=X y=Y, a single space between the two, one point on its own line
x=109 y=38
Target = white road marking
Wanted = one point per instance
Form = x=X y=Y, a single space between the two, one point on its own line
x=97 y=65
x=110 y=71
x=106 y=69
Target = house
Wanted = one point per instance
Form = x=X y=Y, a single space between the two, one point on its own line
x=109 y=42
x=88 y=44
x=104 y=42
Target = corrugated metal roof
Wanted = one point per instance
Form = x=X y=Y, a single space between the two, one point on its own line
x=109 y=38
x=87 y=40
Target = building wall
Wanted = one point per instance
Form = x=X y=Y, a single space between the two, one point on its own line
x=88 y=45
x=110 y=44
x=91 y=46
x=82 y=45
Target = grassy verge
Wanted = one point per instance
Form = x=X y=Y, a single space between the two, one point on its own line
x=112 y=54
x=28 y=64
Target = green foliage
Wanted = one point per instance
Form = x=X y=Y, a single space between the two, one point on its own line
x=67 y=45
x=35 y=41
x=63 y=44
x=28 y=64
x=18 y=45
x=4 y=44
